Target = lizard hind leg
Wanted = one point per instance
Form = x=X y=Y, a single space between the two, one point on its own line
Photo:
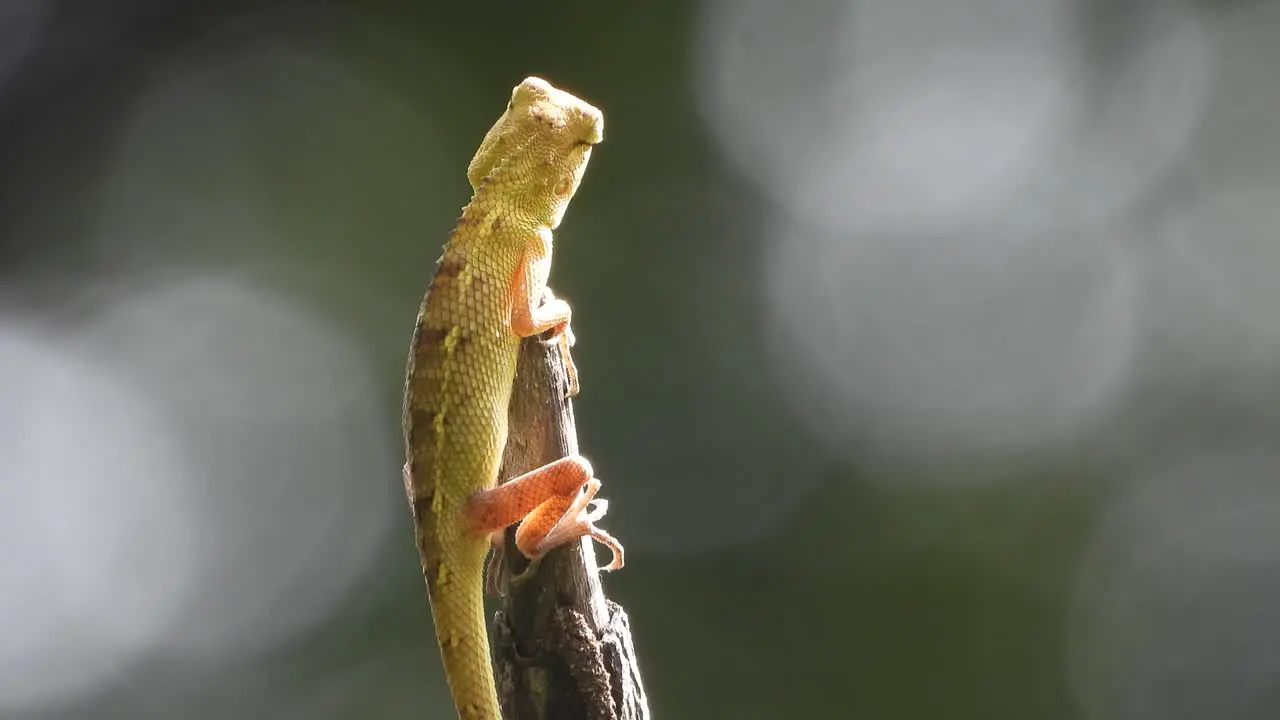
x=554 y=504
x=560 y=520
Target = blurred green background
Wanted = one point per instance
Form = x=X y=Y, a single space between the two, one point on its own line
x=928 y=350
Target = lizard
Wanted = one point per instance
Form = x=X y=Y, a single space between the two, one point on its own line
x=489 y=291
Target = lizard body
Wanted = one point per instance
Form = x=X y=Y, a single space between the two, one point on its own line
x=489 y=291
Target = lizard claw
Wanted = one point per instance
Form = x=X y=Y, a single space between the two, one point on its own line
x=570 y=368
x=493 y=570
x=527 y=574
x=580 y=521
x=594 y=511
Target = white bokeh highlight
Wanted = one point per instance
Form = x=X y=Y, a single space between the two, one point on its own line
x=982 y=343
x=949 y=262
x=202 y=470
x=1177 y=600
x=883 y=116
x=221 y=155
x=279 y=416
x=96 y=522
x=1215 y=263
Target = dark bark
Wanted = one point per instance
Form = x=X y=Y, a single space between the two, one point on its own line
x=562 y=650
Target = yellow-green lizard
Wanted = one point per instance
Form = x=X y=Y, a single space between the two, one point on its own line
x=488 y=292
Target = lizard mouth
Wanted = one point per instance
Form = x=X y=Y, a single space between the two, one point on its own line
x=595 y=133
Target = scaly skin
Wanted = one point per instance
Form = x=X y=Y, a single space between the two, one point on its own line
x=489 y=291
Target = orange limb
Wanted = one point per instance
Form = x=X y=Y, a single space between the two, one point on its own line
x=554 y=504
x=532 y=315
x=535 y=314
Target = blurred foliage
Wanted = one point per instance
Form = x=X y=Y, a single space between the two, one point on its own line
x=784 y=558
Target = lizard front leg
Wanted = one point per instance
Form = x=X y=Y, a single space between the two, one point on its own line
x=535 y=310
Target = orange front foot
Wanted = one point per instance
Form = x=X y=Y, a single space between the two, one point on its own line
x=554 y=505
x=533 y=315
x=563 y=337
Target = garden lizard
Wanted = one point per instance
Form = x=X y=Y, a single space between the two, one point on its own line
x=489 y=291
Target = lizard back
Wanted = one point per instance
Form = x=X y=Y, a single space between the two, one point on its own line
x=458 y=388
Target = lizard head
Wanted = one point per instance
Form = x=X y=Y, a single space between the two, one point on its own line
x=539 y=149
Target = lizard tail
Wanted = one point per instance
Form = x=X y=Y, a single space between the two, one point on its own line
x=464 y=647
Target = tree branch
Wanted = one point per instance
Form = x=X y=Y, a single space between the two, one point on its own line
x=562 y=650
